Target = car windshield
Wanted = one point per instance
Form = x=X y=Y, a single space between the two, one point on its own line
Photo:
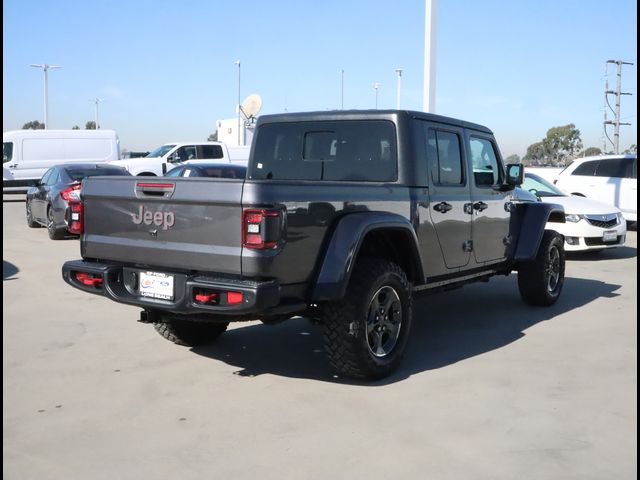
x=160 y=151
x=540 y=187
x=77 y=174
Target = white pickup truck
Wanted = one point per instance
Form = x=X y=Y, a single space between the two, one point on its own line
x=169 y=155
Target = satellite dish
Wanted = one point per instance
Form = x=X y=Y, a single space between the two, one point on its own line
x=251 y=106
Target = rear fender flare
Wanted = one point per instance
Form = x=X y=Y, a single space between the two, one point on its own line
x=336 y=265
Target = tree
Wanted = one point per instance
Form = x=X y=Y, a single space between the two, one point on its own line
x=213 y=137
x=34 y=125
x=91 y=125
x=561 y=144
x=590 y=152
x=632 y=149
x=535 y=155
x=75 y=127
x=515 y=158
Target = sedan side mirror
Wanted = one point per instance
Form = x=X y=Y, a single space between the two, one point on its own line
x=515 y=174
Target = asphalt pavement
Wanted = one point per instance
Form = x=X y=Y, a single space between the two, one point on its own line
x=490 y=388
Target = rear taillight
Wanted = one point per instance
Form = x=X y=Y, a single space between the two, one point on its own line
x=261 y=228
x=71 y=193
x=76 y=217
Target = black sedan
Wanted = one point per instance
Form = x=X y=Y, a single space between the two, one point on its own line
x=211 y=170
x=47 y=201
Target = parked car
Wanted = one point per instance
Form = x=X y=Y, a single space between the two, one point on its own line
x=590 y=225
x=210 y=170
x=47 y=202
x=611 y=179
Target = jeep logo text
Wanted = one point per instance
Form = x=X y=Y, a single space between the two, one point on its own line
x=164 y=219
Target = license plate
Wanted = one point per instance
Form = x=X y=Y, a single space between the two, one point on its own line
x=610 y=236
x=156 y=285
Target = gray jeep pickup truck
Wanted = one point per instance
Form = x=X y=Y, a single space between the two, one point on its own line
x=343 y=217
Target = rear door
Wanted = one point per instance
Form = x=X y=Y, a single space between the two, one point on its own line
x=490 y=228
x=449 y=194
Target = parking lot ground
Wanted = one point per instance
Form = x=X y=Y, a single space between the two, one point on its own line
x=490 y=388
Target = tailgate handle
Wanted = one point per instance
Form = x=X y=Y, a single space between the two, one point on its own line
x=155 y=189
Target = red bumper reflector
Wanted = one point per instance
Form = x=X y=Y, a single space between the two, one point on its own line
x=234 y=297
x=88 y=279
x=205 y=297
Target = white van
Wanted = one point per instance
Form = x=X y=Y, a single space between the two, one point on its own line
x=170 y=155
x=28 y=154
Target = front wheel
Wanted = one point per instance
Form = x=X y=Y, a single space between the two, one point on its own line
x=540 y=281
x=182 y=331
x=366 y=333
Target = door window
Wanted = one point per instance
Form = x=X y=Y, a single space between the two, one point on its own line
x=486 y=168
x=443 y=151
x=7 y=151
x=210 y=152
x=587 y=169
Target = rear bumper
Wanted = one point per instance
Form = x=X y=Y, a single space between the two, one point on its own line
x=119 y=283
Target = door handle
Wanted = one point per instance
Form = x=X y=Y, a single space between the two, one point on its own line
x=442 y=207
x=480 y=206
x=12 y=166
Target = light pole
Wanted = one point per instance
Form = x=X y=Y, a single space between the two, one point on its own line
x=376 y=86
x=97 y=101
x=238 y=63
x=45 y=68
x=399 y=72
x=342 y=90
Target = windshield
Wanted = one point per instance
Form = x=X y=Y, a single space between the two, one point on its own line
x=540 y=187
x=160 y=151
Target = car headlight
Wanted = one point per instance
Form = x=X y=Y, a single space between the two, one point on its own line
x=572 y=217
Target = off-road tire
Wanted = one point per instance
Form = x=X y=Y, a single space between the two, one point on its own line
x=350 y=327
x=31 y=223
x=189 y=333
x=540 y=281
x=54 y=233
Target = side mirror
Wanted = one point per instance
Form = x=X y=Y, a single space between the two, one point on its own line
x=515 y=174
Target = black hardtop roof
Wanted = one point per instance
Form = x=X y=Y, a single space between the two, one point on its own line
x=393 y=115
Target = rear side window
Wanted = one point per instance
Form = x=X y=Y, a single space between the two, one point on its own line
x=587 y=169
x=333 y=151
x=615 y=167
x=210 y=152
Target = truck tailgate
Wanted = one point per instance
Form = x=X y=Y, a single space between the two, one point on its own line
x=177 y=223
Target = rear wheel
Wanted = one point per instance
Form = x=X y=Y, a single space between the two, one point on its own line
x=182 y=331
x=31 y=223
x=54 y=232
x=540 y=281
x=366 y=333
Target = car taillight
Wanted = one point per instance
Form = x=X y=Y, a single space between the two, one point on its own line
x=261 y=228
x=71 y=193
x=76 y=217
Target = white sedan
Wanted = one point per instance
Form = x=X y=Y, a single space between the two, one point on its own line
x=590 y=225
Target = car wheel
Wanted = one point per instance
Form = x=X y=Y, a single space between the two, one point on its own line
x=31 y=223
x=188 y=333
x=54 y=233
x=540 y=281
x=366 y=333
